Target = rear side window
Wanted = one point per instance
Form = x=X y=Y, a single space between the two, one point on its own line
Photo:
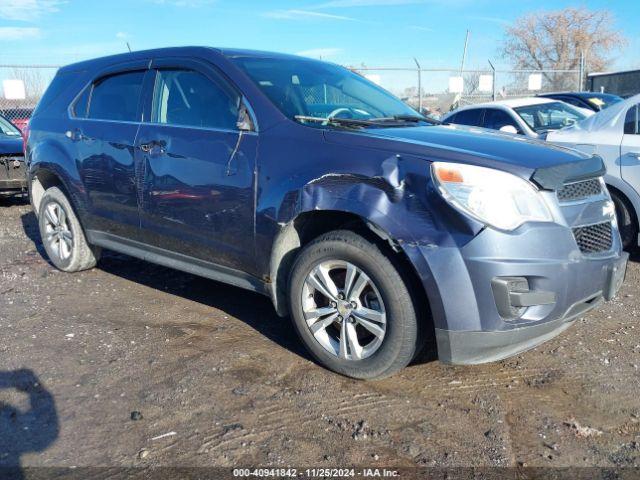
x=116 y=97
x=470 y=117
x=632 y=121
x=188 y=98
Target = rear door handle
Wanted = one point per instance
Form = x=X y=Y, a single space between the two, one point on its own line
x=635 y=155
x=154 y=147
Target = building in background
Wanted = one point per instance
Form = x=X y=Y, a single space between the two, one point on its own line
x=625 y=83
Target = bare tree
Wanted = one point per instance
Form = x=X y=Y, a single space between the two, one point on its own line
x=556 y=40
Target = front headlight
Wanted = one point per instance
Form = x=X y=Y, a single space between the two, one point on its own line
x=496 y=198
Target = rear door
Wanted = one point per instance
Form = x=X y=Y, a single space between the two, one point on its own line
x=630 y=147
x=108 y=114
x=198 y=169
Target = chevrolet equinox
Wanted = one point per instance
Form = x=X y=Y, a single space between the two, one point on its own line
x=375 y=229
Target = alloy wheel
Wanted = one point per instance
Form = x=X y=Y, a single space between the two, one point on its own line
x=58 y=235
x=344 y=310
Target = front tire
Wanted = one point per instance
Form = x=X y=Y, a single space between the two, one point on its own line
x=627 y=222
x=62 y=235
x=351 y=307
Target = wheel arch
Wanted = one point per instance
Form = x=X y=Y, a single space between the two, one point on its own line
x=308 y=225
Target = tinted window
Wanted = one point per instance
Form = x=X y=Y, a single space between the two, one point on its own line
x=81 y=105
x=188 y=98
x=632 y=122
x=469 y=117
x=496 y=119
x=117 y=97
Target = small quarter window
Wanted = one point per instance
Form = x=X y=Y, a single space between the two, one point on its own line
x=117 y=97
x=80 y=107
x=188 y=98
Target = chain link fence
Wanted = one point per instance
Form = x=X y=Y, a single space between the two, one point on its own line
x=438 y=91
x=428 y=90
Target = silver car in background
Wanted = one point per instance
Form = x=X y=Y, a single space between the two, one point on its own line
x=614 y=135
x=532 y=117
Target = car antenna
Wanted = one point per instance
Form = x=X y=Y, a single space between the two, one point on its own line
x=128 y=46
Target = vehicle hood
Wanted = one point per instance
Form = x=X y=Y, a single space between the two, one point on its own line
x=609 y=121
x=10 y=145
x=516 y=154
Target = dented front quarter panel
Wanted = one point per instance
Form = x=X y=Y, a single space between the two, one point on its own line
x=392 y=192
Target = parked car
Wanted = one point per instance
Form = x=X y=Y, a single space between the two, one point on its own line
x=614 y=135
x=18 y=116
x=375 y=229
x=587 y=100
x=532 y=117
x=13 y=177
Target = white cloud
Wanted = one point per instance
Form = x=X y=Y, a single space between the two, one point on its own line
x=367 y=3
x=320 y=52
x=500 y=21
x=303 y=15
x=18 y=33
x=122 y=35
x=27 y=10
x=184 y=3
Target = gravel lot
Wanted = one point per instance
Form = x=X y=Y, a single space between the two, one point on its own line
x=140 y=365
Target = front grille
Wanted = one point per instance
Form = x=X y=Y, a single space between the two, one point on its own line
x=572 y=192
x=594 y=238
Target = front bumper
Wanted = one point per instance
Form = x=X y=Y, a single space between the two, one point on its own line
x=469 y=325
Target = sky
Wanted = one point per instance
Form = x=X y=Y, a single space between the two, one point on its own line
x=350 y=32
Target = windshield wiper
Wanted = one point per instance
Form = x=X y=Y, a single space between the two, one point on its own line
x=336 y=121
x=404 y=119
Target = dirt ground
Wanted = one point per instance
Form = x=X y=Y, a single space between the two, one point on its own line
x=132 y=364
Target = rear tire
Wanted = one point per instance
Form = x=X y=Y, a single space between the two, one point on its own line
x=351 y=307
x=62 y=234
x=627 y=222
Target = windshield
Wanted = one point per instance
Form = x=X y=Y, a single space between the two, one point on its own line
x=319 y=90
x=549 y=116
x=6 y=128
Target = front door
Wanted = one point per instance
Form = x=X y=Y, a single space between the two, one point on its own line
x=198 y=168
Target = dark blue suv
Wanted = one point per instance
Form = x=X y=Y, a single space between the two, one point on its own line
x=373 y=228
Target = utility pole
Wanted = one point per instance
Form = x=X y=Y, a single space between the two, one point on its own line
x=464 y=52
x=419 y=86
x=494 y=80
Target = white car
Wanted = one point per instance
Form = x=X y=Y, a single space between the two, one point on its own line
x=533 y=117
x=613 y=134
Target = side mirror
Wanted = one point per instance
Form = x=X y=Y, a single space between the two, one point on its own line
x=245 y=122
x=509 y=129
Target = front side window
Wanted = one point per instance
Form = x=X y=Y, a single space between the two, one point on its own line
x=549 y=116
x=632 y=121
x=496 y=119
x=309 y=88
x=116 y=97
x=188 y=98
